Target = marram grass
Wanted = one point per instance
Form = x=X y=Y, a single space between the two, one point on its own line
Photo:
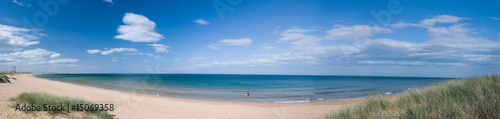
x=476 y=98
x=41 y=98
x=4 y=78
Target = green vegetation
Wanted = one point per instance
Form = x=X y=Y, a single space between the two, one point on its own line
x=4 y=78
x=463 y=98
x=40 y=98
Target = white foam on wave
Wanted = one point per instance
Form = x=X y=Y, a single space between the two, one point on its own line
x=292 y=101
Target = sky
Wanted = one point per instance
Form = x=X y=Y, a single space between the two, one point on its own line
x=424 y=38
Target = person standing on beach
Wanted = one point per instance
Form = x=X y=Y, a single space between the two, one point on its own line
x=248 y=94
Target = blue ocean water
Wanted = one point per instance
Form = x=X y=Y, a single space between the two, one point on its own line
x=262 y=88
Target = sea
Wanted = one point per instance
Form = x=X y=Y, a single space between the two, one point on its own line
x=260 y=88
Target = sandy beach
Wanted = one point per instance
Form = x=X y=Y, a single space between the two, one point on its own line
x=134 y=105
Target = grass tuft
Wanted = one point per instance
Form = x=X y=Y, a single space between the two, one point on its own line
x=4 y=78
x=477 y=97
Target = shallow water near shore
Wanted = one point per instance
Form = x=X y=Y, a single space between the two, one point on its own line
x=262 y=88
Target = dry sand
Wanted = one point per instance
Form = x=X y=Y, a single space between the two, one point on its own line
x=135 y=106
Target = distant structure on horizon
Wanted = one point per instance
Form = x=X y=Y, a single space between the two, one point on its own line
x=14 y=68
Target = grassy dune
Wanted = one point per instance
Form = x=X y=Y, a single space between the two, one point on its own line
x=4 y=78
x=463 y=98
x=39 y=99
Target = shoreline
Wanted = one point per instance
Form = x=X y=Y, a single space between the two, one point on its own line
x=197 y=90
x=187 y=99
x=137 y=105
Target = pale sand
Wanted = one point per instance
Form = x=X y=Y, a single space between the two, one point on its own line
x=135 y=106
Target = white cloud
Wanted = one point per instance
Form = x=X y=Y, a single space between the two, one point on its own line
x=401 y=24
x=21 y=3
x=202 y=22
x=478 y=58
x=245 y=63
x=196 y=59
x=93 y=51
x=33 y=57
x=268 y=48
x=237 y=42
x=455 y=35
x=307 y=49
x=38 y=60
x=53 y=56
x=160 y=48
x=354 y=32
x=393 y=62
x=295 y=34
x=443 y=19
x=495 y=18
x=214 y=46
x=440 y=19
x=231 y=42
x=138 y=28
x=14 y=38
x=129 y=51
x=451 y=43
x=390 y=62
x=158 y=57
x=109 y=1
x=263 y=60
x=63 y=61
x=300 y=41
x=31 y=54
x=114 y=59
x=112 y=50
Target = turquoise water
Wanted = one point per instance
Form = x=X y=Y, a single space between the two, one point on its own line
x=262 y=88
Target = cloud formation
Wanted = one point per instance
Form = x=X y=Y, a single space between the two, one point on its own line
x=450 y=43
x=268 y=48
x=109 y=1
x=55 y=55
x=138 y=28
x=21 y=3
x=114 y=59
x=354 y=32
x=128 y=51
x=93 y=51
x=63 y=61
x=495 y=18
x=15 y=38
x=245 y=42
x=202 y=22
x=440 y=19
x=160 y=48
x=34 y=57
x=111 y=50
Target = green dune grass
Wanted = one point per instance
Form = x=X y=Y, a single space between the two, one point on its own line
x=462 y=98
x=4 y=78
x=40 y=98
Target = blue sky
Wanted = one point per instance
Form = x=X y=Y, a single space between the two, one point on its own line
x=309 y=37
